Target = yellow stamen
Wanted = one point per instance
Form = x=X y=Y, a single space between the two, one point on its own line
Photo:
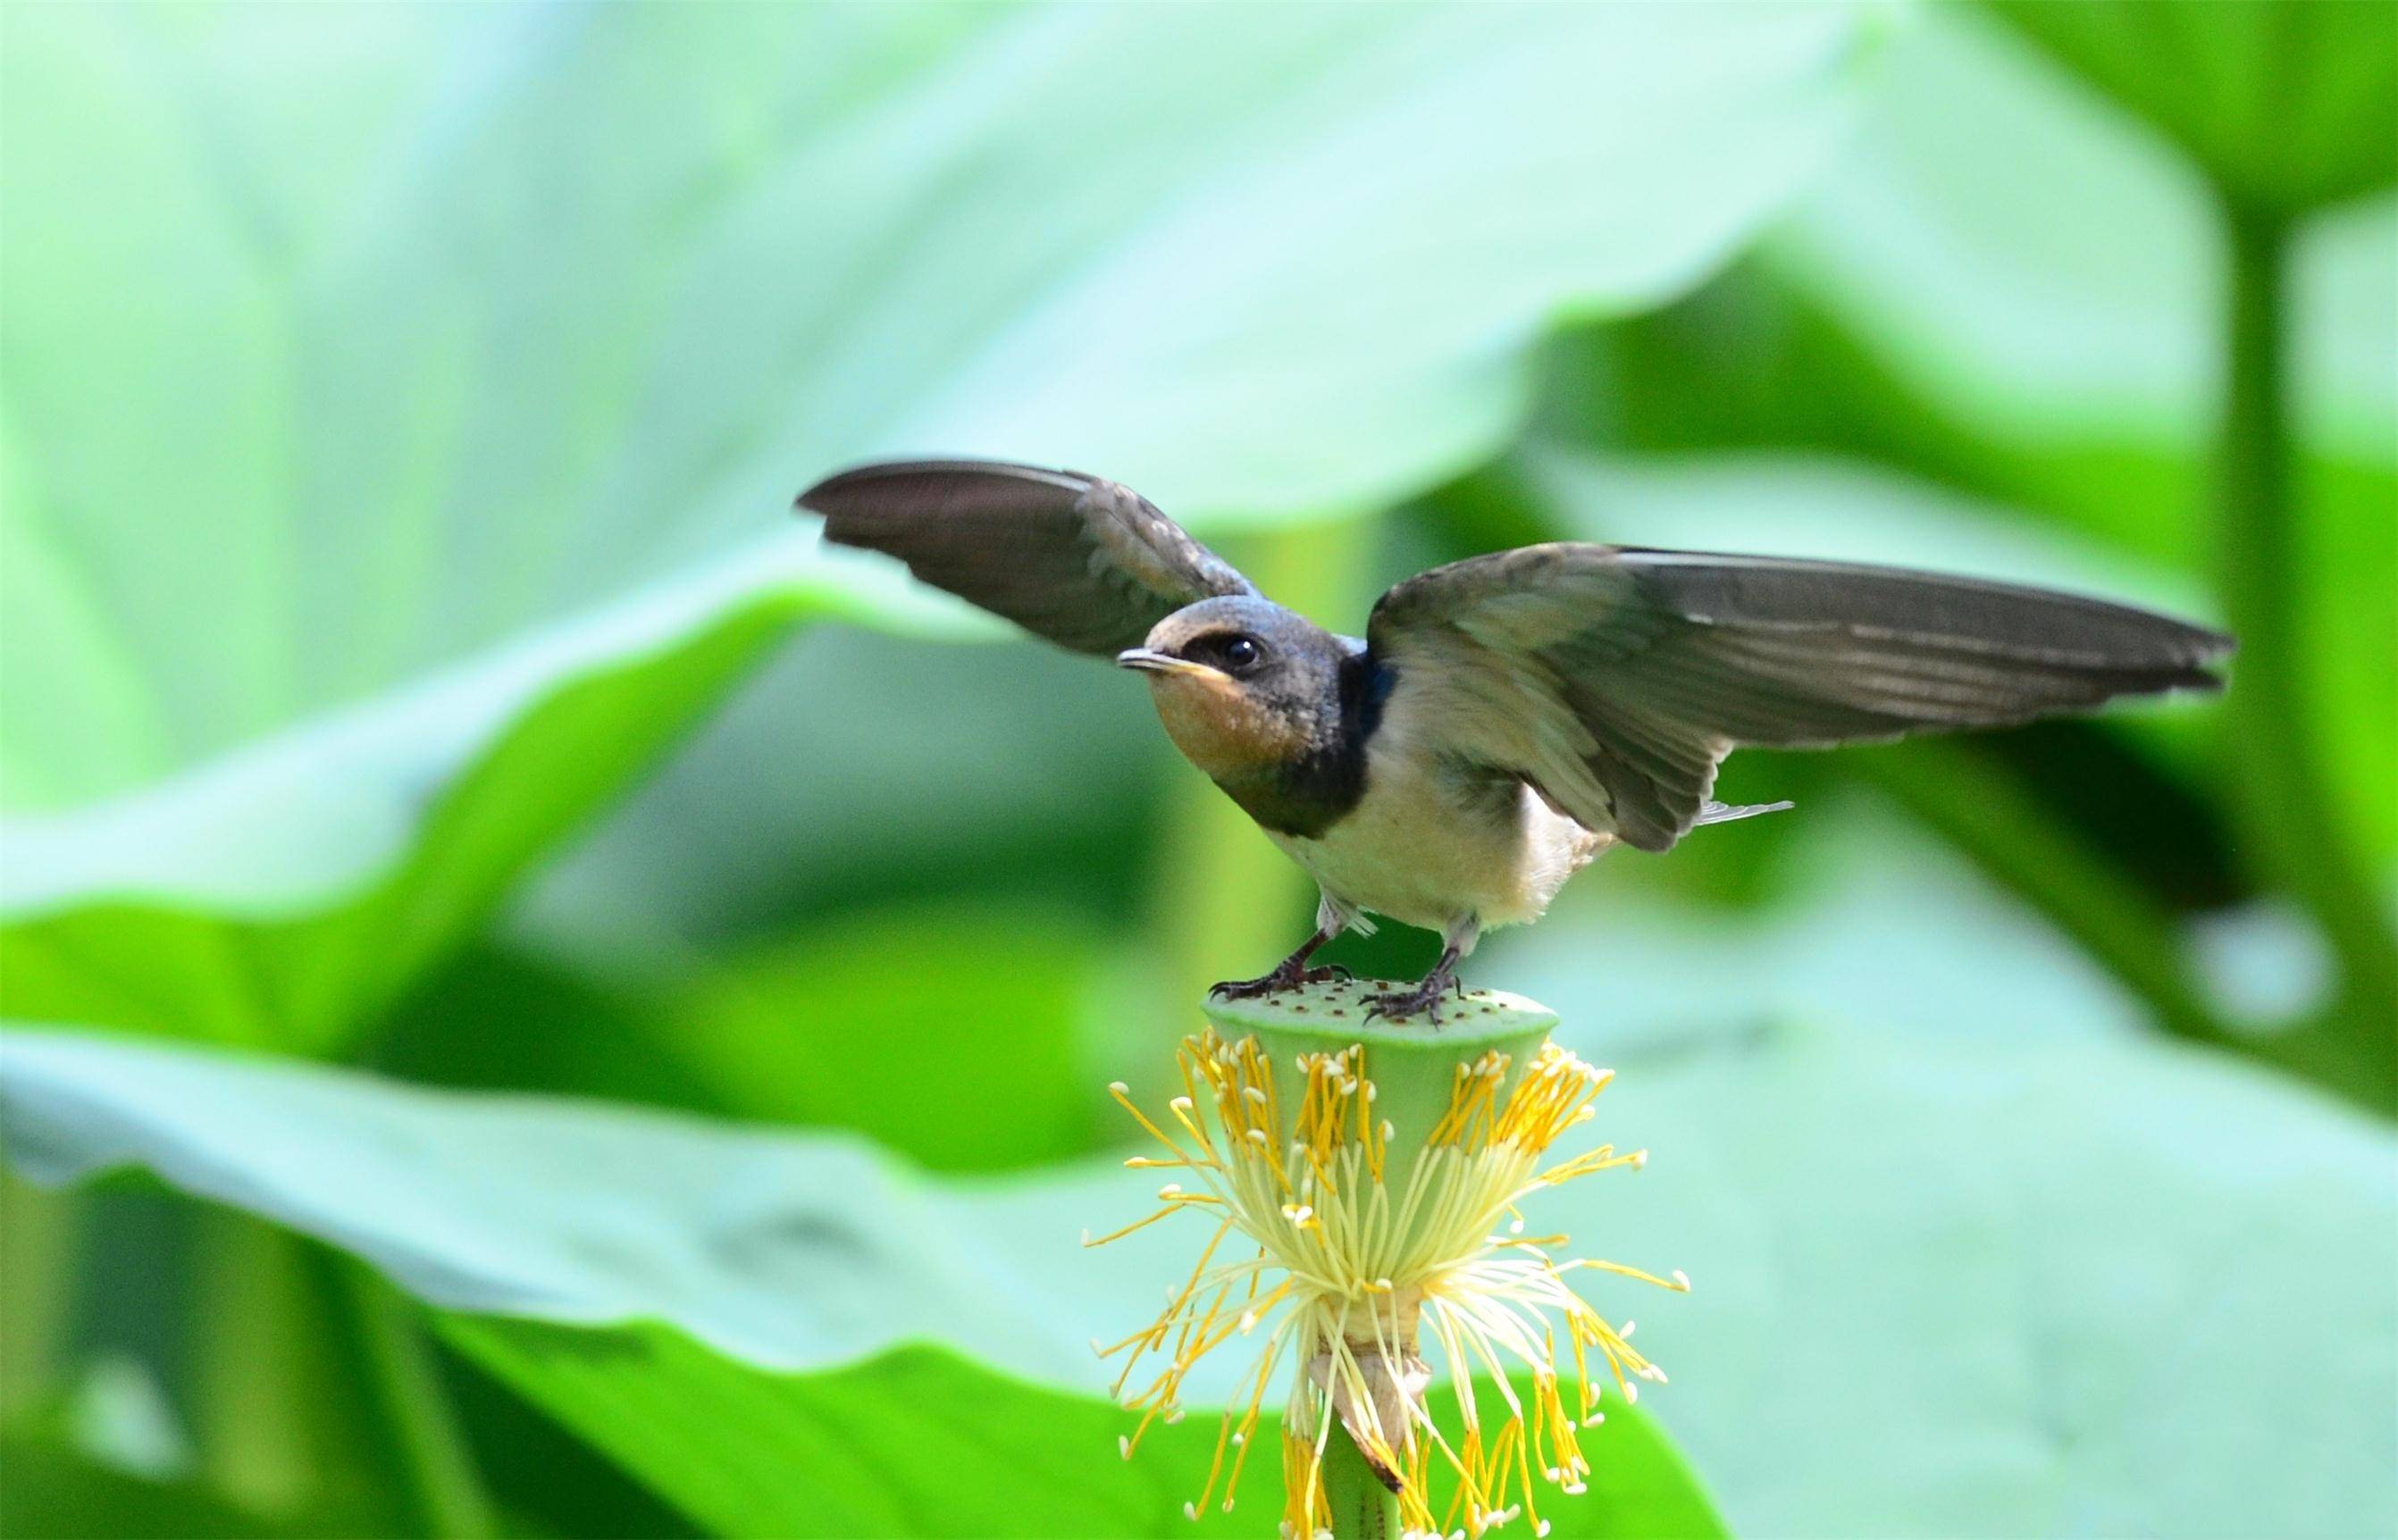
x=1349 y=1270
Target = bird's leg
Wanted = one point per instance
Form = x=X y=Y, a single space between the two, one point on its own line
x=1289 y=974
x=1424 y=996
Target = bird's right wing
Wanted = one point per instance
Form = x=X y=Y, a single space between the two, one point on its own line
x=1615 y=679
x=1085 y=563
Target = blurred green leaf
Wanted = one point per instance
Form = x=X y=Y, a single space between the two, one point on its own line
x=2288 y=107
x=41 y=1227
x=917 y=1441
x=1014 y=770
x=2000 y=1287
x=920 y=1442
x=1000 y=990
x=270 y=973
x=567 y=1033
x=1878 y=927
x=488 y=357
x=2057 y=275
x=833 y=1029
x=781 y=1249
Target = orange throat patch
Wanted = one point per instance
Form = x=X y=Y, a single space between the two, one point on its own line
x=1223 y=729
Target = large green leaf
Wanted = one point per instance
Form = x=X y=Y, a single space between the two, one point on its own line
x=2288 y=106
x=996 y=995
x=372 y=378
x=1025 y=759
x=1999 y=1286
x=2002 y=1289
x=743 y=1034
x=2084 y=303
x=920 y=1441
x=263 y=968
x=1875 y=926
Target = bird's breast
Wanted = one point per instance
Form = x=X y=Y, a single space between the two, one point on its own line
x=1432 y=842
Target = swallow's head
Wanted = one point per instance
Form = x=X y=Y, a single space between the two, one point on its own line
x=1244 y=686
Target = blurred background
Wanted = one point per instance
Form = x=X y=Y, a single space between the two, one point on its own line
x=413 y=678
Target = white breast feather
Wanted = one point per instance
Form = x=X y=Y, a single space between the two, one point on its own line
x=1412 y=852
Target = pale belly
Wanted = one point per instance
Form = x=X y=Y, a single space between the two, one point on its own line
x=1413 y=851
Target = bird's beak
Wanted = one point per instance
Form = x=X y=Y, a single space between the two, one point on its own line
x=1148 y=662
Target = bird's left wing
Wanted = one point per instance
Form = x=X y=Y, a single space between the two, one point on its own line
x=1085 y=563
x=1615 y=679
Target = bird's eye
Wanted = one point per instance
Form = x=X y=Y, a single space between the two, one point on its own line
x=1241 y=654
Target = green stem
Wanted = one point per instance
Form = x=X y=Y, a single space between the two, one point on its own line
x=259 y=1391
x=1363 y=1508
x=36 y=1274
x=2288 y=808
x=447 y=1492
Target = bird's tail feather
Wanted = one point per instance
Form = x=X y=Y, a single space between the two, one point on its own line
x=1724 y=813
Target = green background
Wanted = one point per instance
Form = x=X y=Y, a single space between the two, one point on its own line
x=546 y=1004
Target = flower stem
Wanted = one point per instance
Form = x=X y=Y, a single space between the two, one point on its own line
x=2288 y=805
x=1363 y=1508
x=445 y=1491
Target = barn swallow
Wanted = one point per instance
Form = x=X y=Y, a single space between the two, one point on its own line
x=1506 y=717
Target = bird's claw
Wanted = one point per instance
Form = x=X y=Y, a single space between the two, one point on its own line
x=1279 y=980
x=1424 y=997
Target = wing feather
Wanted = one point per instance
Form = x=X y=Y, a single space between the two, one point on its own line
x=1085 y=563
x=1615 y=679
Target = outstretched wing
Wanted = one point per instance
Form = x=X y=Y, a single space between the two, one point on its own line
x=1085 y=563
x=1615 y=679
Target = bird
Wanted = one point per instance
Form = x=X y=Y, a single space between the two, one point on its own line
x=1506 y=717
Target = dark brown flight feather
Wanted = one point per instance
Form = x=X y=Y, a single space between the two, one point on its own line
x=1083 y=562
x=1623 y=676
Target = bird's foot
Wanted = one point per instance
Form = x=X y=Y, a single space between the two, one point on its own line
x=1423 y=998
x=1282 y=978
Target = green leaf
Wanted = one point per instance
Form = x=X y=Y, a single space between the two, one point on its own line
x=2004 y=1291
x=745 y=1036
x=2000 y=1287
x=920 y=1441
x=2288 y=107
x=917 y=1441
x=479 y=351
x=995 y=997
x=270 y=971
x=2034 y=300
x=1876 y=925
x=2084 y=303
x=1041 y=769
